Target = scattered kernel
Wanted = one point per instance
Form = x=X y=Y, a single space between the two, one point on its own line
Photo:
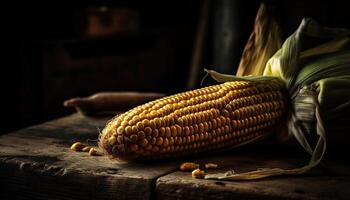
x=188 y=166
x=197 y=173
x=78 y=146
x=93 y=152
x=210 y=166
x=86 y=149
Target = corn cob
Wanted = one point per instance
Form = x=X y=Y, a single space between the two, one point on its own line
x=211 y=118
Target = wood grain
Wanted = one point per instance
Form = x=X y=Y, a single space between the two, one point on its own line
x=321 y=183
x=37 y=163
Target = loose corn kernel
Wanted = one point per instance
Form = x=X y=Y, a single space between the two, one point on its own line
x=188 y=166
x=77 y=146
x=197 y=173
x=93 y=152
x=210 y=166
x=86 y=149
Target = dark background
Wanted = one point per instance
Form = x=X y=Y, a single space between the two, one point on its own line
x=50 y=53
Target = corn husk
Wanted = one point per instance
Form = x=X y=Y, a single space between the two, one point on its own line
x=318 y=81
x=263 y=42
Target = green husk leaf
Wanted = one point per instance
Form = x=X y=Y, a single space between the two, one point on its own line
x=287 y=63
x=318 y=81
x=326 y=48
x=334 y=97
x=226 y=77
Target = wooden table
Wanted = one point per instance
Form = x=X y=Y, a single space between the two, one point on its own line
x=36 y=163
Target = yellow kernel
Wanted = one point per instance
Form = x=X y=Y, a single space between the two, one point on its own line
x=236 y=114
x=157 y=121
x=196 y=137
x=131 y=122
x=133 y=138
x=177 y=141
x=184 y=139
x=155 y=133
x=134 y=129
x=120 y=130
x=141 y=134
x=167 y=132
x=190 y=119
x=159 y=141
x=148 y=130
x=143 y=142
x=93 y=152
x=191 y=130
x=201 y=128
x=188 y=166
x=186 y=131
x=152 y=124
x=180 y=121
x=178 y=129
x=171 y=141
x=195 y=128
x=192 y=138
x=195 y=119
x=86 y=149
x=124 y=123
x=227 y=129
x=145 y=122
x=197 y=173
x=206 y=126
x=128 y=130
x=218 y=120
x=185 y=121
x=165 y=142
x=77 y=146
x=206 y=135
x=225 y=113
x=140 y=125
x=171 y=121
x=142 y=116
x=201 y=136
x=112 y=140
x=223 y=120
x=153 y=113
x=135 y=118
x=162 y=131
x=214 y=122
x=120 y=139
x=210 y=125
x=173 y=131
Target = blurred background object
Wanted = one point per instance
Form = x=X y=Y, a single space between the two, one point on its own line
x=57 y=50
x=106 y=21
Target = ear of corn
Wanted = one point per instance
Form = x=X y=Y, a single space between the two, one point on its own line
x=211 y=118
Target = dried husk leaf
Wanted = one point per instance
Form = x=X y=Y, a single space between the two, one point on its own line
x=264 y=41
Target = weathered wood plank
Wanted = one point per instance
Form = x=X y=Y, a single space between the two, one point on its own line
x=331 y=182
x=36 y=163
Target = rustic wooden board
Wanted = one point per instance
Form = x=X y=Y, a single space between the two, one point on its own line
x=330 y=182
x=36 y=163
